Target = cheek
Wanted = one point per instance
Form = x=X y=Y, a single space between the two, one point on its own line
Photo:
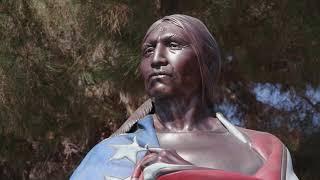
x=192 y=75
x=189 y=68
x=189 y=74
x=144 y=69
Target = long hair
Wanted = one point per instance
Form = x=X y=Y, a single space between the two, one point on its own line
x=205 y=47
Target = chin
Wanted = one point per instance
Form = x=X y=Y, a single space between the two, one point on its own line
x=160 y=92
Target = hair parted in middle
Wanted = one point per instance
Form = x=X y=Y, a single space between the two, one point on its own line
x=203 y=44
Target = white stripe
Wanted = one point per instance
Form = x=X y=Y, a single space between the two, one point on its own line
x=290 y=175
x=233 y=130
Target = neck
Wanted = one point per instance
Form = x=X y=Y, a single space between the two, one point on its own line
x=182 y=114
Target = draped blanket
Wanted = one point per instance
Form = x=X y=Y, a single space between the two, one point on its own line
x=115 y=158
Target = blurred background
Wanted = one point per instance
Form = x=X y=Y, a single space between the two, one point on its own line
x=68 y=75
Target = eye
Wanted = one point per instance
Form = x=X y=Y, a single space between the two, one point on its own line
x=148 y=50
x=174 y=45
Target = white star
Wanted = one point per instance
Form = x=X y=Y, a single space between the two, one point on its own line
x=128 y=151
x=115 y=178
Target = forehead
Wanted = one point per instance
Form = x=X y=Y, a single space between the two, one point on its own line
x=166 y=29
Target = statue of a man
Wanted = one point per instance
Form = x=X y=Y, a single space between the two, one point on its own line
x=175 y=134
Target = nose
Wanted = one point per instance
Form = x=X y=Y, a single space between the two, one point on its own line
x=159 y=59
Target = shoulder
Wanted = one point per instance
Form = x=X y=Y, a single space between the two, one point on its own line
x=96 y=162
x=276 y=155
x=258 y=135
x=115 y=156
x=263 y=142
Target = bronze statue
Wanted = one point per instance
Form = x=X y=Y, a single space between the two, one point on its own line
x=175 y=134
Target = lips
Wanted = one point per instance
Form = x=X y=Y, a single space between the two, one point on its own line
x=159 y=75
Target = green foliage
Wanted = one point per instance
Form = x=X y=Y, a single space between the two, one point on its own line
x=69 y=71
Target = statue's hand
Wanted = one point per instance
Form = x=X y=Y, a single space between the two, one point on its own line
x=159 y=161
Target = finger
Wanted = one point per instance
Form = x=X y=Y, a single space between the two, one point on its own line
x=165 y=153
x=158 y=150
x=150 y=159
x=137 y=171
x=152 y=150
x=155 y=150
x=142 y=164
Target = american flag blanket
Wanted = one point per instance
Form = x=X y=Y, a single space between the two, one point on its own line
x=115 y=158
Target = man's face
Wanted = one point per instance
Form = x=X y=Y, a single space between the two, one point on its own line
x=169 y=64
